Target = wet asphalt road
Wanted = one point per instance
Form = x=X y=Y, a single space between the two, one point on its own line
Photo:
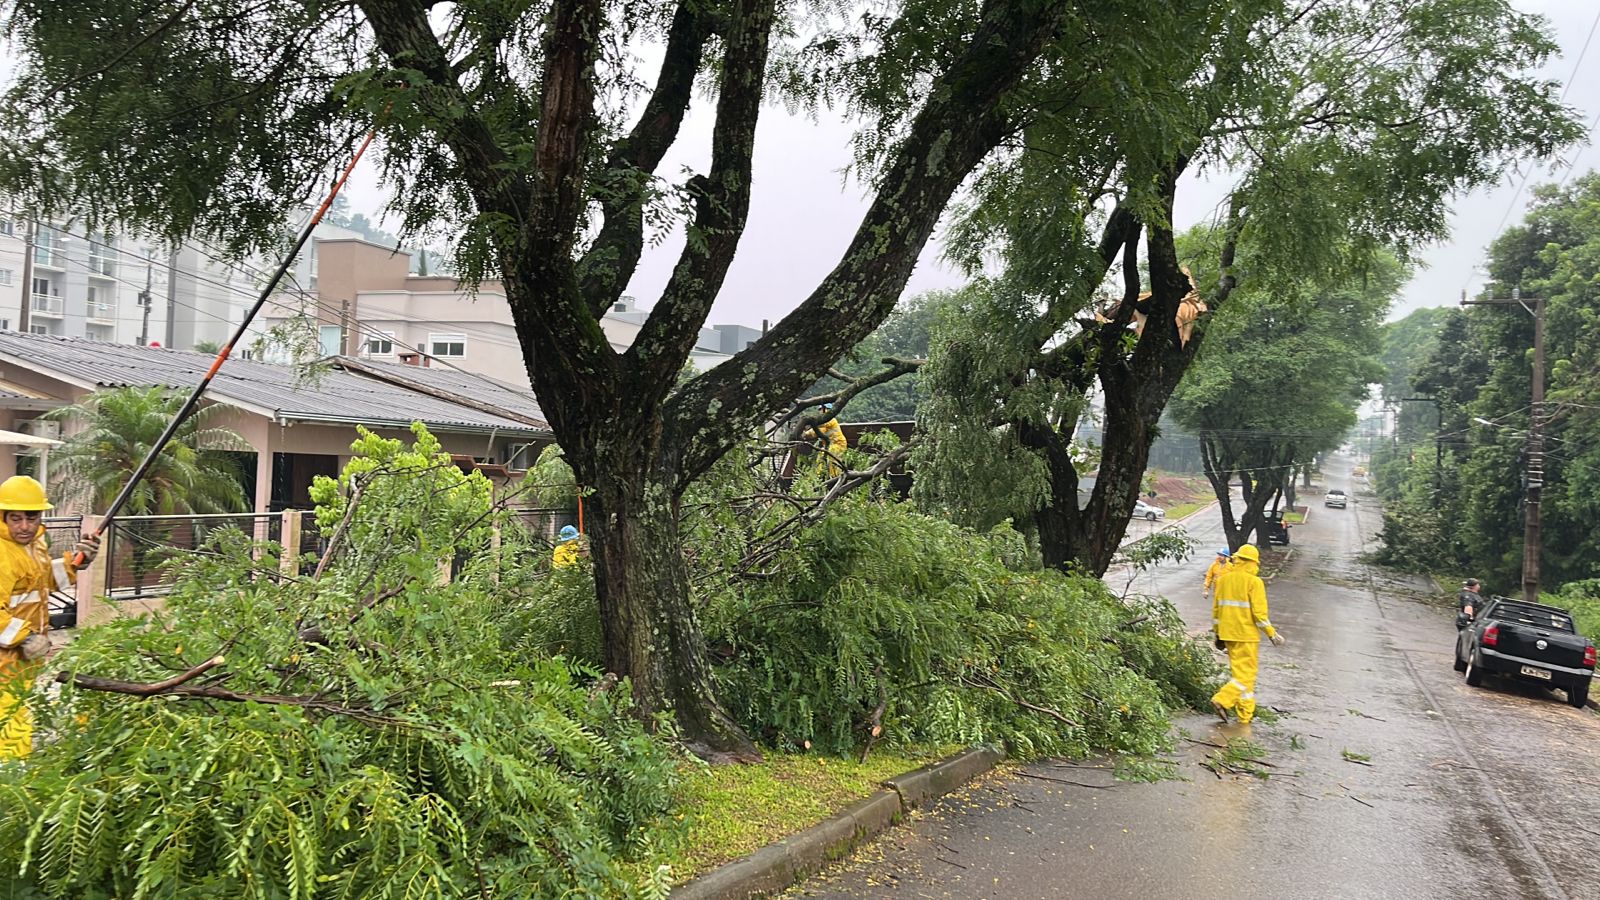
x=1480 y=792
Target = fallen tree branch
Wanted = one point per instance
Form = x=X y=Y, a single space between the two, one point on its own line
x=176 y=687
x=1022 y=703
x=138 y=689
x=1097 y=787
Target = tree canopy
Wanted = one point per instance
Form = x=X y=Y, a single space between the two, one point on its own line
x=1349 y=126
x=1481 y=370
x=1278 y=383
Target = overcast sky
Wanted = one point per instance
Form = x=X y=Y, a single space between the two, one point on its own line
x=804 y=211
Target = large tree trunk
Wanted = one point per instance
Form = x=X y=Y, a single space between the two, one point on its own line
x=651 y=633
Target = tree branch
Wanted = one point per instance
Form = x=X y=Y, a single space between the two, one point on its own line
x=957 y=127
x=139 y=689
x=722 y=206
x=604 y=270
x=840 y=398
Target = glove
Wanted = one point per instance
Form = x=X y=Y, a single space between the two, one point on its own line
x=1276 y=639
x=89 y=546
x=35 y=646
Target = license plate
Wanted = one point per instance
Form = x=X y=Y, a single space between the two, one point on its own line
x=1532 y=672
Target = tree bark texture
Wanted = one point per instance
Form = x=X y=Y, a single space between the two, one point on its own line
x=1136 y=387
x=630 y=432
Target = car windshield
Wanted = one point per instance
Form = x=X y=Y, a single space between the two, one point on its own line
x=1532 y=615
x=1336 y=493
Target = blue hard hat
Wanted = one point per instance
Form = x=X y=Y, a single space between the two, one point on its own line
x=568 y=532
x=1224 y=552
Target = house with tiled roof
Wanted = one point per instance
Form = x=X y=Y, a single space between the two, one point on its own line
x=297 y=425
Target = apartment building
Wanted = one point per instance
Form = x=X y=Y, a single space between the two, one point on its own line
x=60 y=280
x=370 y=305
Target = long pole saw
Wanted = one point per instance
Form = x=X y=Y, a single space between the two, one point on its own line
x=227 y=349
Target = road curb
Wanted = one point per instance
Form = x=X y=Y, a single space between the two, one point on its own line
x=777 y=866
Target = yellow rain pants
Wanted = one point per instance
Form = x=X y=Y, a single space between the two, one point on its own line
x=1239 y=693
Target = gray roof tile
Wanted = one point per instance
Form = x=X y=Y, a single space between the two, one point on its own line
x=336 y=396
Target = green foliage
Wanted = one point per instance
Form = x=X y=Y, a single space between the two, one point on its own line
x=399 y=744
x=1481 y=369
x=1279 y=378
x=972 y=466
x=1582 y=599
x=905 y=335
x=118 y=428
x=877 y=604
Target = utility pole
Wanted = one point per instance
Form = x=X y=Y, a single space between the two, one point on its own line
x=27 y=278
x=145 y=302
x=1534 y=471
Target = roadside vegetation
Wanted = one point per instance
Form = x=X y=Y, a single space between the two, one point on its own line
x=1462 y=516
x=383 y=727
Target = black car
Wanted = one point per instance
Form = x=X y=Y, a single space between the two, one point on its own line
x=1529 y=642
x=1276 y=529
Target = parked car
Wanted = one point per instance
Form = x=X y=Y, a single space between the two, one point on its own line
x=1359 y=471
x=1529 y=642
x=1276 y=529
x=1143 y=510
x=1335 y=499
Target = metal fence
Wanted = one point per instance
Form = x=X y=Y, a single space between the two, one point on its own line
x=136 y=548
x=63 y=532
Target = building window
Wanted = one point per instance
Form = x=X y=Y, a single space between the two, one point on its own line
x=381 y=345
x=5 y=276
x=619 y=307
x=39 y=329
x=7 y=227
x=330 y=339
x=446 y=346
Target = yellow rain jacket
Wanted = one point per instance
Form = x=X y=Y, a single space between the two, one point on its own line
x=27 y=574
x=564 y=555
x=834 y=435
x=1240 y=604
x=1218 y=566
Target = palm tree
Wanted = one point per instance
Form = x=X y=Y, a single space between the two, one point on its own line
x=193 y=475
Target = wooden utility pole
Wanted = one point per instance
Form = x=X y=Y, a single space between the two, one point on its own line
x=1533 y=471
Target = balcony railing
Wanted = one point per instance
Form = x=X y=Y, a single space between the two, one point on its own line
x=106 y=311
x=48 y=257
x=102 y=265
x=47 y=304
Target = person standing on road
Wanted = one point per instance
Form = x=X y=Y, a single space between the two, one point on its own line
x=1218 y=566
x=27 y=575
x=1467 y=602
x=1239 y=609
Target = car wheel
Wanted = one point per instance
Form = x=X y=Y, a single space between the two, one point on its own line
x=1474 y=672
x=1461 y=664
x=1150 y=516
x=1578 y=695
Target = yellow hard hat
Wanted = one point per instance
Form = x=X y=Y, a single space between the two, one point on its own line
x=22 y=494
x=1248 y=552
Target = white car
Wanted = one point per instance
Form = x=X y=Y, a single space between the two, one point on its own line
x=1335 y=499
x=1143 y=510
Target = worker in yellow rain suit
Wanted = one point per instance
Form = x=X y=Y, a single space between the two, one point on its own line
x=28 y=575
x=1218 y=566
x=567 y=550
x=831 y=432
x=1238 y=609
